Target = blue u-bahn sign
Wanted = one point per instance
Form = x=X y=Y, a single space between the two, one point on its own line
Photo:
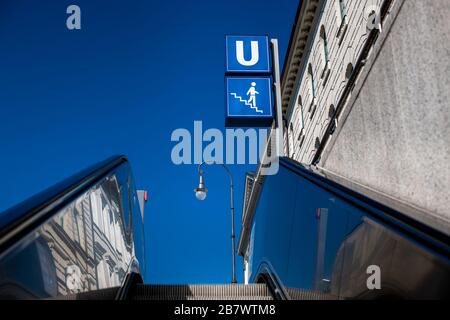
x=247 y=54
x=248 y=82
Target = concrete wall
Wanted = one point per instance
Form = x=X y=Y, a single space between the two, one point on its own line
x=396 y=137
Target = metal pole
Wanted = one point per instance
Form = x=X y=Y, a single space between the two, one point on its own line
x=277 y=84
x=233 y=248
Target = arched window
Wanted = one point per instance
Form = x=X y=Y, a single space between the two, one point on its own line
x=291 y=139
x=342 y=9
x=331 y=111
x=299 y=102
x=349 y=71
x=331 y=114
x=313 y=86
x=341 y=18
x=301 y=120
x=326 y=53
x=317 y=143
x=311 y=76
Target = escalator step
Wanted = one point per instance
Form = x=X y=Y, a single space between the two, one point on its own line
x=102 y=294
x=202 y=292
x=301 y=294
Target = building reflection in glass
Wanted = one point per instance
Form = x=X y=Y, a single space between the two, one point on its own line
x=86 y=246
x=319 y=245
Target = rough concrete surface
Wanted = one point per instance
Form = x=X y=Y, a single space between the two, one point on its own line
x=396 y=138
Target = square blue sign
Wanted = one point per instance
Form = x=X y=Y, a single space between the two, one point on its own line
x=247 y=54
x=249 y=97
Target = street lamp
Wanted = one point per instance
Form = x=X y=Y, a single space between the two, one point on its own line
x=200 y=194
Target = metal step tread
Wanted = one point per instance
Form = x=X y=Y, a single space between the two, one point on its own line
x=202 y=292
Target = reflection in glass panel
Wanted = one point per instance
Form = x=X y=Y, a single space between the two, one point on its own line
x=83 y=248
x=318 y=244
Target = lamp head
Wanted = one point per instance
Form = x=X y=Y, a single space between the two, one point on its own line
x=200 y=192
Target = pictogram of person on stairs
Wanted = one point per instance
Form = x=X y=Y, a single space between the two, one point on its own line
x=252 y=93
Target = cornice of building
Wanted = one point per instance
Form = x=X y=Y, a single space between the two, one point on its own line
x=304 y=23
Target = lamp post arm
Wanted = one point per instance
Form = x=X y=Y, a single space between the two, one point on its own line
x=200 y=172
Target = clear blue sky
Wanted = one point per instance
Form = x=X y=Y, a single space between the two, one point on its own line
x=135 y=72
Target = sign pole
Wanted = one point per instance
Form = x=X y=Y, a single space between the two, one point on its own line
x=277 y=85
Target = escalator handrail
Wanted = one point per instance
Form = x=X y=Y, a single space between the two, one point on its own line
x=424 y=234
x=18 y=221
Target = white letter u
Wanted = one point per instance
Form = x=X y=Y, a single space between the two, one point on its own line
x=240 y=53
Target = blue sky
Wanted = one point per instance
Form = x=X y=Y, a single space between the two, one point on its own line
x=135 y=72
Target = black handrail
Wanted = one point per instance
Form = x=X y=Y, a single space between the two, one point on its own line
x=18 y=221
x=400 y=222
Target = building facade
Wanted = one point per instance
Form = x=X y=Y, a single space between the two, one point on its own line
x=365 y=98
x=321 y=71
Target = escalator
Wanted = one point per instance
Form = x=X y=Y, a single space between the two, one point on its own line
x=307 y=237
x=81 y=235
x=141 y=291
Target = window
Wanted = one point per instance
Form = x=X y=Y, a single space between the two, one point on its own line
x=291 y=140
x=331 y=114
x=75 y=225
x=317 y=143
x=311 y=76
x=313 y=87
x=342 y=9
x=341 y=14
x=331 y=111
x=300 y=105
x=291 y=130
x=299 y=102
x=349 y=71
x=326 y=53
x=312 y=113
